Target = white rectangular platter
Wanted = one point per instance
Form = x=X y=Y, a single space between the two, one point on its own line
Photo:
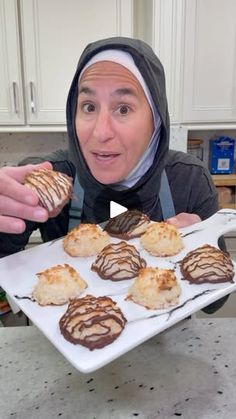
x=18 y=277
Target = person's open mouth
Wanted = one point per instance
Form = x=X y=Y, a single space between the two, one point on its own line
x=105 y=156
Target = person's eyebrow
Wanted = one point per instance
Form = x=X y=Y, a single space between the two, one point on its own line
x=86 y=90
x=122 y=91
x=125 y=91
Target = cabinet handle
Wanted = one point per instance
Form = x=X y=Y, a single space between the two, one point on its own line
x=32 y=102
x=15 y=97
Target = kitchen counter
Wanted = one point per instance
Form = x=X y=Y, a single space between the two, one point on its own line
x=188 y=371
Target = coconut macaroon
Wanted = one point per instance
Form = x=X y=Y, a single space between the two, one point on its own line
x=155 y=288
x=57 y=285
x=118 y=261
x=91 y=321
x=207 y=264
x=53 y=188
x=128 y=225
x=85 y=240
x=162 y=239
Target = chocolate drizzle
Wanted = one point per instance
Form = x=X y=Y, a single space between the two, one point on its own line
x=170 y=312
x=191 y=232
x=24 y=297
x=207 y=264
x=187 y=301
x=129 y=224
x=92 y=322
x=52 y=187
x=118 y=261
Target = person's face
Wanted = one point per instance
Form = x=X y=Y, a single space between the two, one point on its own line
x=114 y=121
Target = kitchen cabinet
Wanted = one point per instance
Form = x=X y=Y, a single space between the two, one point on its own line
x=196 y=43
x=11 y=88
x=47 y=46
x=159 y=23
x=167 y=43
x=209 y=70
x=41 y=41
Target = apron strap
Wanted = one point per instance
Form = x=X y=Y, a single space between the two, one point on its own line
x=76 y=205
x=166 y=201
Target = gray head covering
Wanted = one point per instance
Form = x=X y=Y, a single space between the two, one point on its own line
x=144 y=193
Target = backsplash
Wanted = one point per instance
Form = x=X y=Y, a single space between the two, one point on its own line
x=16 y=146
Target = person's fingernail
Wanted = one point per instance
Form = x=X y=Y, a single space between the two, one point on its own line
x=40 y=213
x=17 y=226
x=172 y=220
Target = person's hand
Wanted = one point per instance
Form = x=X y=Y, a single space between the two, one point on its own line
x=183 y=220
x=18 y=202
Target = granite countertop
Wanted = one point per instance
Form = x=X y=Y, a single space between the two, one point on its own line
x=188 y=371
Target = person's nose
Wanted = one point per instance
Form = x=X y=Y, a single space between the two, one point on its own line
x=103 y=130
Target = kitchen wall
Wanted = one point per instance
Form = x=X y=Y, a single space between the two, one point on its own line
x=16 y=146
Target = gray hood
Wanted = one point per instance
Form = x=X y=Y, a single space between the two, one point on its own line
x=144 y=194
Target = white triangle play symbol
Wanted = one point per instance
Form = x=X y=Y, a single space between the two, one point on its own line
x=116 y=209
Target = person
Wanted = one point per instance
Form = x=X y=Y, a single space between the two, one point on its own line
x=118 y=130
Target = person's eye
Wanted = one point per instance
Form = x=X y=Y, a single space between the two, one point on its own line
x=88 y=107
x=123 y=110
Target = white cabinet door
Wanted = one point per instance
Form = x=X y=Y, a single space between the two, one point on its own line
x=54 y=33
x=210 y=61
x=11 y=95
x=167 y=43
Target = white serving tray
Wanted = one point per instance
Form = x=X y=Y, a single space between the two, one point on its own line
x=18 y=277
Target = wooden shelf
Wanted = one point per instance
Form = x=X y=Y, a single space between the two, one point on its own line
x=224 y=180
x=221 y=205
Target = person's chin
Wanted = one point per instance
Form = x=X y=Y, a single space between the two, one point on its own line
x=107 y=179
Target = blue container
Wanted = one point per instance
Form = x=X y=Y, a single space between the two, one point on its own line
x=222 y=155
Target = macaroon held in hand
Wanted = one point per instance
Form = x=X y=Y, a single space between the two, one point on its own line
x=17 y=202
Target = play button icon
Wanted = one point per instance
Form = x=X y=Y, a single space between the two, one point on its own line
x=116 y=209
